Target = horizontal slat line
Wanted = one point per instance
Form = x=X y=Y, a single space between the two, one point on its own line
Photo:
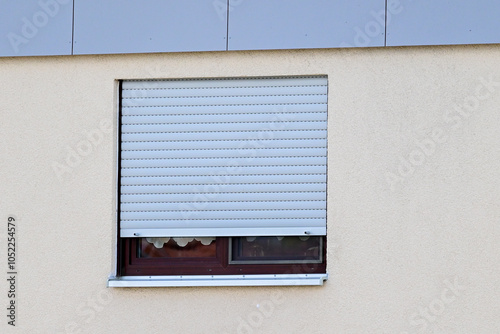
x=274 y=121
x=239 y=135
x=227 y=92
x=163 y=137
x=284 y=120
x=202 y=184
x=223 y=82
x=224 y=153
x=220 y=219
x=227 y=131
x=268 y=102
x=204 y=140
x=210 y=82
x=232 y=162
x=253 y=108
x=227 y=108
x=213 y=178
x=224 y=114
x=223 y=170
x=212 y=96
x=170 y=132
x=259 y=212
x=223 y=144
x=229 y=175
x=221 y=87
x=279 y=156
x=224 y=118
x=243 y=150
x=225 y=149
x=223 y=214
x=221 y=166
x=200 y=129
x=236 y=192
x=258 y=131
x=158 y=113
x=207 y=162
x=242 y=205
x=187 y=175
x=245 y=187
x=221 y=105
x=221 y=210
x=243 y=196
x=232 y=113
x=263 y=128
x=215 y=183
x=265 y=201
x=236 y=92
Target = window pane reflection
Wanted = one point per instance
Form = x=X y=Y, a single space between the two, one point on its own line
x=276 y=249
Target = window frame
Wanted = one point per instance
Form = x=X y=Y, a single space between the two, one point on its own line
x=132 y=265
x=131 y=271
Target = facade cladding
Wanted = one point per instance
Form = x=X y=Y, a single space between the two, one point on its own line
x=403 y=172
x=79 y=27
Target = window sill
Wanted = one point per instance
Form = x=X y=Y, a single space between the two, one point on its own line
x=216 y=280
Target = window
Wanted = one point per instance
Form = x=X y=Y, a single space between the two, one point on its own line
x=223 y=178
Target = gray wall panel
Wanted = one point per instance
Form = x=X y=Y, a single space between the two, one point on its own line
x=35 y=27
x=291 y=24
x=439 y=22
x=105 y=26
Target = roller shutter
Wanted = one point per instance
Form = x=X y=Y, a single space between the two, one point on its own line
x=223 y=157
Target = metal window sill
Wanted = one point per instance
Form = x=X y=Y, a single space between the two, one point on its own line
x=216 y=280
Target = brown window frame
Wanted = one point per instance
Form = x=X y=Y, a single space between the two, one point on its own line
x=132 y=265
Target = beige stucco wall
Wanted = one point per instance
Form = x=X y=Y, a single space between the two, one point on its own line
x=404 y=223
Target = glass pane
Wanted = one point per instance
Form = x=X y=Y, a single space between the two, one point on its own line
x=276 y=249
x=176 y=247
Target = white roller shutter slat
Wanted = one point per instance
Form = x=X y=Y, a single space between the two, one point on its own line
x=231 y=170
x=217 y=83
x=234 y=126
x=205 y=198
x=223 y=153
x=228 y=135
x=223 y=157
x=224 y=214
x=227 y=205
x=216 y=187
x=134 y=110
x=223 y=144
x=223 y=91
x=221 y=223
x=222 y=163
x=197 y=118
x=223 y=179
x=221 y=100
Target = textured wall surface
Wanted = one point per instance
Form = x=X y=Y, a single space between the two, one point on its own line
x=413 y=211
